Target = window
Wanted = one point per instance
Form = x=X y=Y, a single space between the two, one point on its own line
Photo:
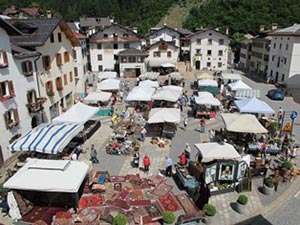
x=66 y=56
x=126 y=45
x=74 y=54
x=49 y=88
x=209 y=41
x=6 y=90
x=105 y=35
x=220 y=53
x=198 y=51
x=131 y=59
x=169 y=54
x=280 y=45
x=11 y=118
x=156 y=54
x=198 y=41
x=273 y=57
x=58 y=59
x=284 y=60
x=125 y=35
x=271 y=73
x=116 y=46
x=100 y=68
x=99 y=46
x=116 y=57
x=76 y=71
x=71 y=76
x=221 y=41
x=287 y=47
x=27 y=68
x=208 y=52
x=124 y=59
x=31 y=96
x=3 y=59
x=282 y=78
x=59 y=37
x=274 y=45
x=52 y=38
x=208 y=64
x=65 y=79
x=59 y=84
x=140 y=59
x=219 y=64
x=99 y=57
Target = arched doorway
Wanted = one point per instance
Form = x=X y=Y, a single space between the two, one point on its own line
x=34 y=122
x=198 y=64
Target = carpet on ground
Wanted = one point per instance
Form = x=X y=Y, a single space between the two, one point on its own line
x=162 y=189
x=91 y=200
x=187 y=204
x=169 y=203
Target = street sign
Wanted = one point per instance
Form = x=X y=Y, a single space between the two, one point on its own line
x=294 y=115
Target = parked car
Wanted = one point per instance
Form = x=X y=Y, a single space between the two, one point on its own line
x=275 y=94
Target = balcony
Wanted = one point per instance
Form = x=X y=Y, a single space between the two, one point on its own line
x=3 y=65
x=11 y=124
x=37 y=106
x=50 y=93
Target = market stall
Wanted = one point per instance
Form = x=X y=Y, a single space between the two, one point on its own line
x=206 y=105
x=112 y=85
x=50 y=182
x=149 y=83
x=231 y=76
x=238 y=85
x=167 y=118
x=165 y=97
x=149 y=76
x=247 y=93
x=174 y=78
x=253 y=105
x=107 y=75
x=223 y=166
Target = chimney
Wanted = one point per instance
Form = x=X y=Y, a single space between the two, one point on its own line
x=227 y=31
x=135 y=30
x=49 y=14
x=112 y=19
x=261 y=28
x=274 y=26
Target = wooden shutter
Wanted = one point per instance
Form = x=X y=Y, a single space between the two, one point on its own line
x=66 y=57
x=58 y=59
x=16 y=115
x=46 y=62
x=5 y=59
x=71 y=76
x=24 y=67
x=6 y=120
x=1 y=92
x=11 y=88
x=30 y=66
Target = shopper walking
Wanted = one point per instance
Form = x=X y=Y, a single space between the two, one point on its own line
x=169 y=164
x=187 y=151
x=146 y=162
x=202 y=125
x=93 y=154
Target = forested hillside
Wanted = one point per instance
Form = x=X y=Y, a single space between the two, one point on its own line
x=141 y=13
x=243 y=16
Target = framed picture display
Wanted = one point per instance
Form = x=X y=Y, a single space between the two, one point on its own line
x=210 y=173
x=226 y=171
x=241 y=170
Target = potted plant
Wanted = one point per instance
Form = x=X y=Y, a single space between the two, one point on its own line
x=241 y=202
x=120 y=219
x=210 y=211
x=268 y=187
x=287 y=164
x=168 y=217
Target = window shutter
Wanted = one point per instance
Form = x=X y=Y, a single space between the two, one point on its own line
x=5 y=59
x=34 y=96
x=11 y=88
x=58 y=59
x=158 y=54
x=16 y=115
x=6 y=120
x=1 y=92
x=24 y=67
x=30 y=66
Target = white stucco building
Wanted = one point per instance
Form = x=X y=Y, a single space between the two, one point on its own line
x=132 y=62
x=19 y=104
x=209 y=50
x=285 y=54
x=164 y=33
x=163 y=52
x=245 y=54
x=54 y=40
x=106 y=44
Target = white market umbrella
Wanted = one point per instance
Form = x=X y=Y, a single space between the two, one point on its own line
x=149 y=83
x=253 y=105
x=207 y=101
x=99 y=96
x=205 y=94
x=168 y=65
x=166 y=95
x=238 y=85
x=162 y=115
x=108 y=84
x=141 y=93
x=206 y=82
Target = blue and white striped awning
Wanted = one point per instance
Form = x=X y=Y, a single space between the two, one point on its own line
x=48 y=138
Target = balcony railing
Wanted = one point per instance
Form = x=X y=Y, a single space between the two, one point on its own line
x=34 y=107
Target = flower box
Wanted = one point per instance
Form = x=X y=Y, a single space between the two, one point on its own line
x=7 y=97
x=28 y=74
x=3 y=65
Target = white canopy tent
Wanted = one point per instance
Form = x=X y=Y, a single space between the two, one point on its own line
x=207 y=101
x=108 y=85
x=216 y=151
x=99 y=96
x=205 y=94
x=238 y=85
x=162 y=115
x=253 y=105
x=149 y=76
x=49 y=176
x=247 y=93
x=49 y=138
x=141 y=93
x=242 y=123
x=175 y=75
x=166 y=95
x=149 y=83
x=107 y=75
x=206 y=82
x=231 y=76
x=173 y=87
x=78 y=113
x=168 y=65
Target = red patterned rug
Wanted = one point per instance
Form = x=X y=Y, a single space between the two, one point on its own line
x=118 y=203
x=90 y=201
x=187 y=204
x=133 y=176
x=136 y=194
x=118 y=179
x=124 y=193
x=162 y=189
x=155 y=180
x=145 y=202
x=169 y=203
